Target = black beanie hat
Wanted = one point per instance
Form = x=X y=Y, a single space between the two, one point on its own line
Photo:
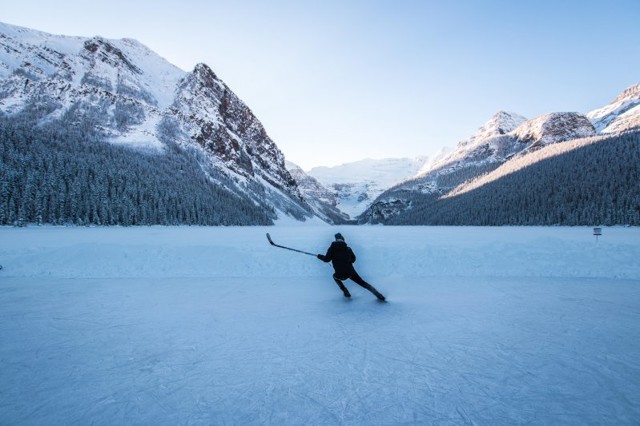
x=339 y=236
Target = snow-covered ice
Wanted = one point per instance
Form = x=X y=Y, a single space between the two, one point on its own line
x=191 y=325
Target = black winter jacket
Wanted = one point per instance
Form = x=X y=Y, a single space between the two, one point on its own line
x=342 y=257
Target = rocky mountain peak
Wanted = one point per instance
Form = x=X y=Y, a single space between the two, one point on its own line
x=501 y=123
x=106 y=52
x=134 y=97
x=623 y=113
x=205 y=75
x=632 y=92
x=502 y=138
x=554 y=127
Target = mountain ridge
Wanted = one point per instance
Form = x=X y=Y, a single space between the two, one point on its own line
x=491 y=146
x=122 y=92
x=132 y=96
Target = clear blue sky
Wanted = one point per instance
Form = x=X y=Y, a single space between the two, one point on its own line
x=338 y=81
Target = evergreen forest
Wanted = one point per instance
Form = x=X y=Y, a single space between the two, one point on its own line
x=65 y=173
x=597 y=184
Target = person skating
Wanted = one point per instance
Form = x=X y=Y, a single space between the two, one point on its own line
x=342 y=257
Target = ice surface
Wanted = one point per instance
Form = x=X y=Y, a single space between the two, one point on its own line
x=190 y=325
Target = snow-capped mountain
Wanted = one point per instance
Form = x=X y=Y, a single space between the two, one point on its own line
x=501 y=123
x=132 y=96
x=623 y=113
x=503 y=137
x=323 y=201
x=358 y=183
x=485 y=145
x=553 y=128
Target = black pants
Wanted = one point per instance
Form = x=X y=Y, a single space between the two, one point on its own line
x=358 y=280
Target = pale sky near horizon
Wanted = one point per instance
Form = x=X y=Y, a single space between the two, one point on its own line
x=338 y=81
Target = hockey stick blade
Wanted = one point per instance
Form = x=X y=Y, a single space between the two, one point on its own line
x=287 y=248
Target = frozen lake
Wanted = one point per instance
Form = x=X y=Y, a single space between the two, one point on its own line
x=190 y=325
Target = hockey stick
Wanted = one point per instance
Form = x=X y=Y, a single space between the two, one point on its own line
x=288 y=248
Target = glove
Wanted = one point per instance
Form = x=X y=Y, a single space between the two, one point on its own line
x=320 y=257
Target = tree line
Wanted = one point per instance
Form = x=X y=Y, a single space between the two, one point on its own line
x=597 y=184
x=65 y=173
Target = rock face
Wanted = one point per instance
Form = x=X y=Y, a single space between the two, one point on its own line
x=553 y=128
x=134 y=97
x=323 y=201
x=212 y=115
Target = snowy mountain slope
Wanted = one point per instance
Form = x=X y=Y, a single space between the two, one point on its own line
x=623 y=113
x=134 y=97
x=483 y=146
x=503 y=137
x=66 y=70
x=440 y=155
x=553 y=128
x=501 y=123
x=323 y=201
x=490 y=144
x=207 y=111
x=589 y=181
x=359 y=183
x=521 y=162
